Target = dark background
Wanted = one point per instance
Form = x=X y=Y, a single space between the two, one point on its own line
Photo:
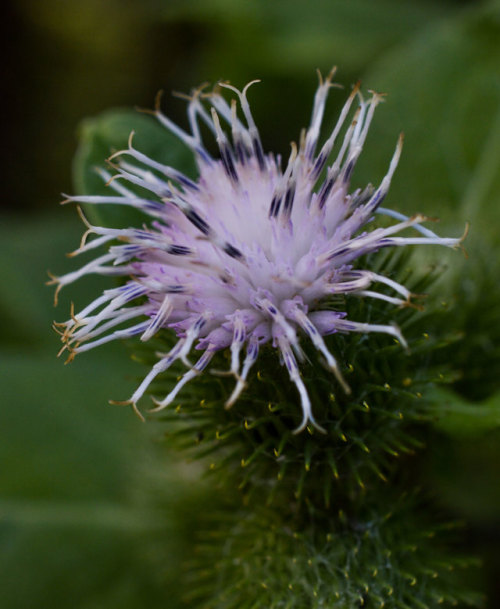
x=80 y=524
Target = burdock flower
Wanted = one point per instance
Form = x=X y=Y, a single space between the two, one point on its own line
x=249 y=253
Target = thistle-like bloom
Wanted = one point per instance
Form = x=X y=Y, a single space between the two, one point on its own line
x=247 y=254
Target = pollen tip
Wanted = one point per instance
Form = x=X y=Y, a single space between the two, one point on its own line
x=71 y=356
x=145 y=110
x=158 y=97
x=53 y=279
x=113 y=156
x=181 y=95
x=112 y=178
x=55 y=327
x=138 y=412
x=412 y=305
x=112 y=165
x=462 y=239
x=378 y=96
x=120 y=402
x=252 y=82
x=331 y=74
x=128 y=403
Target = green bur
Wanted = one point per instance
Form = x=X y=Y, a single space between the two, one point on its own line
x=325 y=520
x=253 y=559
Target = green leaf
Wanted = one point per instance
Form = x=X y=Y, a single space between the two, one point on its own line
x=444 y=93
x=459 y=417
x=292 y=35
x=110 y=132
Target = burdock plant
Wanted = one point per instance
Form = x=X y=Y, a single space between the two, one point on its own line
x=308 y=399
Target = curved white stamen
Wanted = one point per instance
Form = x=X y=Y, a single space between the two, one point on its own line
x=317 y=113
x=447 y=242
x=112 y=183
x=399 y=216
x=356 y=326
x=293 y=371
x=82 y=332
x=250 y=359
x=161 y=366
x=319 y=343
x=397 y=287
x=119 y=334
x=166 y=170
x=377 y=295
x=81 y=326
x=186 y=377
x=373 y=240
x=95 y=267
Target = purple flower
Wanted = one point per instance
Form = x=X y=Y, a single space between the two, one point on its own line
x=247 y=254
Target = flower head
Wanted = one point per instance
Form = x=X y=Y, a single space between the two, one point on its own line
x=249 y=253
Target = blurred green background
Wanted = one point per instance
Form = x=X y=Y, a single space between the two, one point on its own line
x=92 y=508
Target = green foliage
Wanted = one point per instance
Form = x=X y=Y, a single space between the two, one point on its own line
x=460 y=417
x=290 y=36
x=444 y=93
